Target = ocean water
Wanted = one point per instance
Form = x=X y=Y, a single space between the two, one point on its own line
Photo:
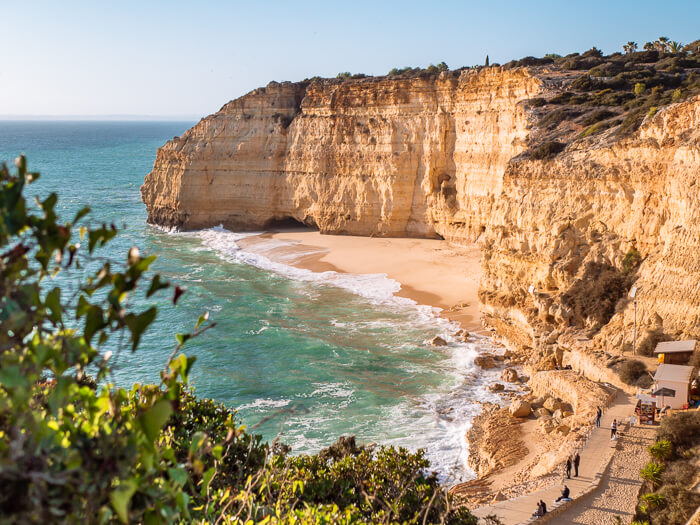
x=303 y=356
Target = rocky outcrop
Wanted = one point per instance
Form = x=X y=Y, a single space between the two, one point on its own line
x=394 y=157
x=562 y=239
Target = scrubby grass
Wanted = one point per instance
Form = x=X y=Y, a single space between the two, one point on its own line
x=666 y=498
x=593 y=297
x=630 y=371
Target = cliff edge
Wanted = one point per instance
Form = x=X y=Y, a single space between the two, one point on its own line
x=568 y=215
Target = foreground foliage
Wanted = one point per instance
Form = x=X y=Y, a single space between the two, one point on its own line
x=78 y=449
x=666 y=498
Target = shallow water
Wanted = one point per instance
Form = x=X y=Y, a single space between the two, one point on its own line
x=326 y=354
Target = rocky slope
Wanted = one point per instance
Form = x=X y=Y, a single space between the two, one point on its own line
x=446 y=156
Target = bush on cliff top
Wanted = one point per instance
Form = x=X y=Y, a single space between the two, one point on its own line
x=631 y=370
x=78 y=450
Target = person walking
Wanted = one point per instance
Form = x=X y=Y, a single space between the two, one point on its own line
x=568 y=468
x=577 y=460
x=613 y=429
x=598 y=413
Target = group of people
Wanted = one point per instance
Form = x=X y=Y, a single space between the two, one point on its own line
x=575 y=462
x=613 y=425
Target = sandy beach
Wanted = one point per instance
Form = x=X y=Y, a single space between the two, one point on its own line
x=431 y=272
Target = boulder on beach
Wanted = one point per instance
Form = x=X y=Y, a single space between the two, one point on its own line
x=438 y=341
x=519 y=408
x=551 y=404
x=484 y=361
x=497 y=387
x=509 y=375
x=542 y=412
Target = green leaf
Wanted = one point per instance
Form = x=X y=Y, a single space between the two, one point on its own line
x=121 y=496
x=154 y=418
x=206 y=480
x=156 y=284
x=53 y=302
x=202 y=318
x=182 y=338
x=94 y=321
x=178 y=475
x=138 y=323
x=11 y=377
x=81 y=213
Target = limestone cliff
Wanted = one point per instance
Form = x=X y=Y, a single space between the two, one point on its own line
x=445 y=156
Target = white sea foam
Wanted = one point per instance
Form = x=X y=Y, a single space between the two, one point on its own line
x=375 y=287
x=264 y=403
x=437 y=422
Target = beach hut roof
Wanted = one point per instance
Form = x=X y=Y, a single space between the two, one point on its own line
x=668 y=392
x=646 y=399
x=672 y=347
x=673 y=373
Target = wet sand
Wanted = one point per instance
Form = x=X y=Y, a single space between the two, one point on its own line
x=431 y=272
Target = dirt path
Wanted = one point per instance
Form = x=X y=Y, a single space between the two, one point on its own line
x=594 y=459
x=619 y=487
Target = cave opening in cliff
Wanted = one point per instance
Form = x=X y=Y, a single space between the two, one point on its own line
x=288 y=224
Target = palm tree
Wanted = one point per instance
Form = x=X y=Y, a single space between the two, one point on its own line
x=630 y=47
x=662 y=44
x=675 y=47
x=648 y=46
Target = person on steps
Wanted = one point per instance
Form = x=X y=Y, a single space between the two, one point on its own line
x=577 y=460
x=598 y=413
x=541 y=509
x=613 y=429
x=564 y=494
x=568 y=468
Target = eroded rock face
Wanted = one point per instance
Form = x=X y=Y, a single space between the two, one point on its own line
x=519 y=408
x=394 y=157
x=441 y=156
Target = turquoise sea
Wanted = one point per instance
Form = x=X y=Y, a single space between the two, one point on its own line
x=323 y=354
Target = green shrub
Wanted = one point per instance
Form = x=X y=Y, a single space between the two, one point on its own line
x=343 y=75
x=631 y=370
x=652 y=473
x=661 y=450
x=647 y=346
x=639 y=88
x=552 y=119
x=594 y=296
x=536 y=102
x=597 y=116
x=654 y=500
x=681 y=503
x=631 y=260
x=682 y=429
x=652 y=111
x=677 y=95
x=74 y=450
x=678 y=473
x=547 y=150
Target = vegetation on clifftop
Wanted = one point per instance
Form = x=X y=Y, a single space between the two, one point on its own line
x=74 y=449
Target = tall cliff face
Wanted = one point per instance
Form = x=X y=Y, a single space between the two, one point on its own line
x=442 y=156
x=565 y=226
x=412 y=157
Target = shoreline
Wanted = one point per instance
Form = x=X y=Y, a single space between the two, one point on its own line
x=430 y=272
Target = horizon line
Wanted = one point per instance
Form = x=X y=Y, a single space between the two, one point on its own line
x=108 y=116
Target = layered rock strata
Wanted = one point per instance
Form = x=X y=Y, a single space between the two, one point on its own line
x=443 y=156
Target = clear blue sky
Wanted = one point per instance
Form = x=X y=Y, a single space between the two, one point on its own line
x=188 y=58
